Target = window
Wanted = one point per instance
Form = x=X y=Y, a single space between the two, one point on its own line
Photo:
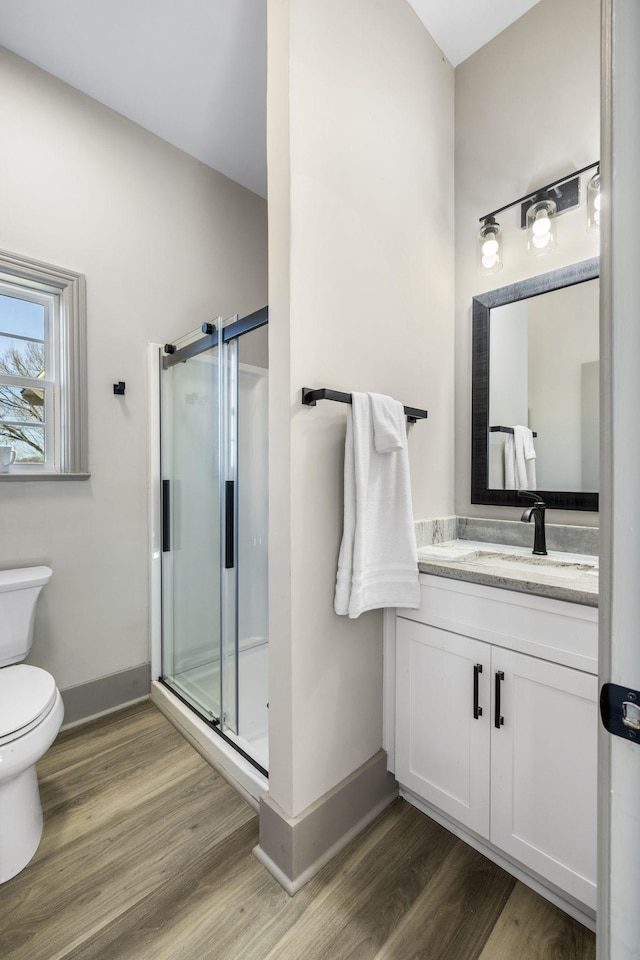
x=43 y=395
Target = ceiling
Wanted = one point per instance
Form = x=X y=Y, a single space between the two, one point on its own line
x=194 y=72
x=460 y=27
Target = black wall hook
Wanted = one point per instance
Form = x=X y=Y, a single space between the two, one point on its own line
x=118 y=388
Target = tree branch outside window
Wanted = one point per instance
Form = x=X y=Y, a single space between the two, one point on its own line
x=23 y=406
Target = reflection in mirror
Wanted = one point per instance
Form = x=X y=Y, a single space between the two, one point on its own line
x=536 y=365
x=543 y=374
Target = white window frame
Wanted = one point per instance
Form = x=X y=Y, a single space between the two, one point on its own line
x=63 y=294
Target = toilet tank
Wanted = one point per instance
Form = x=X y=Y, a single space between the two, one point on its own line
x=19 y=590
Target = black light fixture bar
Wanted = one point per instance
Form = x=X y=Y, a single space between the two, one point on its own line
x=541 y=190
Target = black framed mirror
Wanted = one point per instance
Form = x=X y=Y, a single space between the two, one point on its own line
x=536 y=364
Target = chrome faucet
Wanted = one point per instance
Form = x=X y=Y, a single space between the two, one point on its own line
x=537 y=512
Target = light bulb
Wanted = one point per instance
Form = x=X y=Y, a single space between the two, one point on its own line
x=541 y=230
x=541 y=240
x=489 y=246
x=541 y=224
x=594 y=202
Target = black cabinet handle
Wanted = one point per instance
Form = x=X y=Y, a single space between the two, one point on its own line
x=477 y=710
x=499 y=720
x=166 y=518
x=229 y=524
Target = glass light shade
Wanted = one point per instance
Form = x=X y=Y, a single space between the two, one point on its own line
x=541 y=227
x=594 y=202
x=490 y=247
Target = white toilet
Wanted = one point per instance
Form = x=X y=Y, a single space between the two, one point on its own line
x=31 y=712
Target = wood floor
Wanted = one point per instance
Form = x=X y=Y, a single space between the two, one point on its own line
x=146 y=853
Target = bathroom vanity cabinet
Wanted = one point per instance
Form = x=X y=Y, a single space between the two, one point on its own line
x=495 y=721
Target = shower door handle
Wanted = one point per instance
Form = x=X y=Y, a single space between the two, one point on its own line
x=166 y=518
x=229 y=524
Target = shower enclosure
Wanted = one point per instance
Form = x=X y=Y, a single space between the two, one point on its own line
x=214 y=528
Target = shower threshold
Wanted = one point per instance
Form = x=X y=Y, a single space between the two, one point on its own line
x=247 y=776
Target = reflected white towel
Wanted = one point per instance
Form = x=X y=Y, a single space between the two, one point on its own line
x=519 y=460
x=378 y=562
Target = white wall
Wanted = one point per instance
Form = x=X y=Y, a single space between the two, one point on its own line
x=360 y=149
x=564 y=335
x=165 y=243
x=527 y=112
x=253 y=503
x=509 y=378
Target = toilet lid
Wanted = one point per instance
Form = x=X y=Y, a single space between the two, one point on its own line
x=25 y=694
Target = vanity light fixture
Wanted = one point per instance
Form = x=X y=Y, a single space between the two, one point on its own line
x=541 y=229
x=538 y=213
x=594 y=201
x=490 y=247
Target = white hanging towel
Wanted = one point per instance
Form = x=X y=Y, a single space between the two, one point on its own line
x=519 y=460
x=378 y=562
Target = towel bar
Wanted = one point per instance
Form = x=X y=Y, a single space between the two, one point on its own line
x=310 y=397
x=506 y=430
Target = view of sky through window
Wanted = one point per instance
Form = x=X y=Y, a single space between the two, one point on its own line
x=22 y=408
x=21 y=316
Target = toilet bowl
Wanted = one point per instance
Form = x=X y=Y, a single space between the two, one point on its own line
x=31 y=712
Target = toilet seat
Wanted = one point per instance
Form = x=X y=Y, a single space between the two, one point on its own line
x=27 y=695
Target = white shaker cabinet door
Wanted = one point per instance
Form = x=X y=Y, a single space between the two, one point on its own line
x=442 y=750
x=543 y=769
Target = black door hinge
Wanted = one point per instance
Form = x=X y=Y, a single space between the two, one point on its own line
x=620 y=711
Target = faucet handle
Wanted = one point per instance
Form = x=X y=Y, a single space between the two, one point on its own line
x=538 y=501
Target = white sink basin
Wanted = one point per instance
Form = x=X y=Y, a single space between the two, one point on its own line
x=550 y=566
x=511 y=559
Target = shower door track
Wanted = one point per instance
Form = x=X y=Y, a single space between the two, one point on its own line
x=259 y=318
x=215 y=726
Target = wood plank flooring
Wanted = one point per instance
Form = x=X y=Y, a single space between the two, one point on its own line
x=146 y=853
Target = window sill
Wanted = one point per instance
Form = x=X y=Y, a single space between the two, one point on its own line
x=17 y=475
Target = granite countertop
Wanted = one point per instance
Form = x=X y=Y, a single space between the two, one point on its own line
x=445 y=549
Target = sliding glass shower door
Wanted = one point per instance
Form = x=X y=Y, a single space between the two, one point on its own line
x=213 y=448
